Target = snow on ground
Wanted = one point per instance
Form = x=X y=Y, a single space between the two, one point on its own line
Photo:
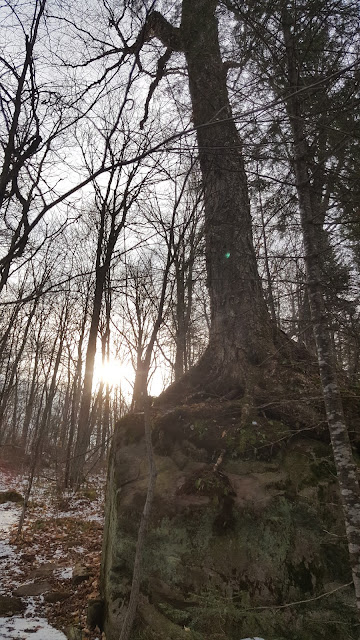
x=9 y=560
x=23 y=628
x=64 y=574
x=16 y=626
x=61 y=531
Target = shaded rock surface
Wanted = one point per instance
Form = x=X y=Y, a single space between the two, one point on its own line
x=56 y=596
x=73 y=633
x=10 y=605
x=33 y=589
x=246 y=520
x=45 y=570
x=10 y=496
x=80 y=574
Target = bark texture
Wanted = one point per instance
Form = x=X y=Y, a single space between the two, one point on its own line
x=199 y=512
x=313 y=233
x=241 y=329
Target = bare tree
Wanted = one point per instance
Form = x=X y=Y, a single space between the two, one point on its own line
x=313 y=95
x=38 y=440
x=112 y=205
x=313 y=241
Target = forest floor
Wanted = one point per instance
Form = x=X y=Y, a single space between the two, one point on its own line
x=54 y=565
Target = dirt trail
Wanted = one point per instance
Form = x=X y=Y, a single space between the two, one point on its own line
x=53 y=569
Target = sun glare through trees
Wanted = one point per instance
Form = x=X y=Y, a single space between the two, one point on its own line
x=180 y=308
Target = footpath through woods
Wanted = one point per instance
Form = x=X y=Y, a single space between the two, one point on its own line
x=50 y=573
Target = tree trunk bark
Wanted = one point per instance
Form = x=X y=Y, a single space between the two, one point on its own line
x=140 y=385
x=241 y=330
x=270 y=295
x=75 y=401
x=84 y=431
x=32 y=393
x=105 y=418
x=344 y=461
x=313 y=234
x=180 y=337
x=240 y=325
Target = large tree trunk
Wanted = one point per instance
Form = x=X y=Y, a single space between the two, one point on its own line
x=240 y=324
x=241 y=332
x=241 y=329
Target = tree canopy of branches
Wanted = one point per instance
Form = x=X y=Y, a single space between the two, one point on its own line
x=178 y=191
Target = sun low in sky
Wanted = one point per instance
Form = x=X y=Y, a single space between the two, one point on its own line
x=113 y=372
x=116 y=373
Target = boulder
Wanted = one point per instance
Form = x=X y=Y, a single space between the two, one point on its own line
x=10 y=496
x=44 y=570
x=246 y=519
x=10 y=606
x=73 y=633
x=28 y=557
x=56 y=596
x=80 y=574
x=32 y=589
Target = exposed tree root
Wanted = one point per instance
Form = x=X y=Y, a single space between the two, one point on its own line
x=283 y=387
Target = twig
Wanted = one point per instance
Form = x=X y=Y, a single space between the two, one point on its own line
x=292 y=604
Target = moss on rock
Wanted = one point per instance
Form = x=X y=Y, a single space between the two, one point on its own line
x=245 y=521
x=10 y=496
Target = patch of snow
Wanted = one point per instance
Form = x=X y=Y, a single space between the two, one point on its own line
x=9 y=515
x=10 y=481
x=31 y=625
x=51 y=513
x=5 y=483
x=30 y=607
x=97 y=517
x=80 y=511
x=78 y=549
x=64 y=574
x=40 y=559
x=35 y=628
x=6 y=551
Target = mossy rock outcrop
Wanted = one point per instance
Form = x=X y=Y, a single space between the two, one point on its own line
x=246 y=535
x=10 y=496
